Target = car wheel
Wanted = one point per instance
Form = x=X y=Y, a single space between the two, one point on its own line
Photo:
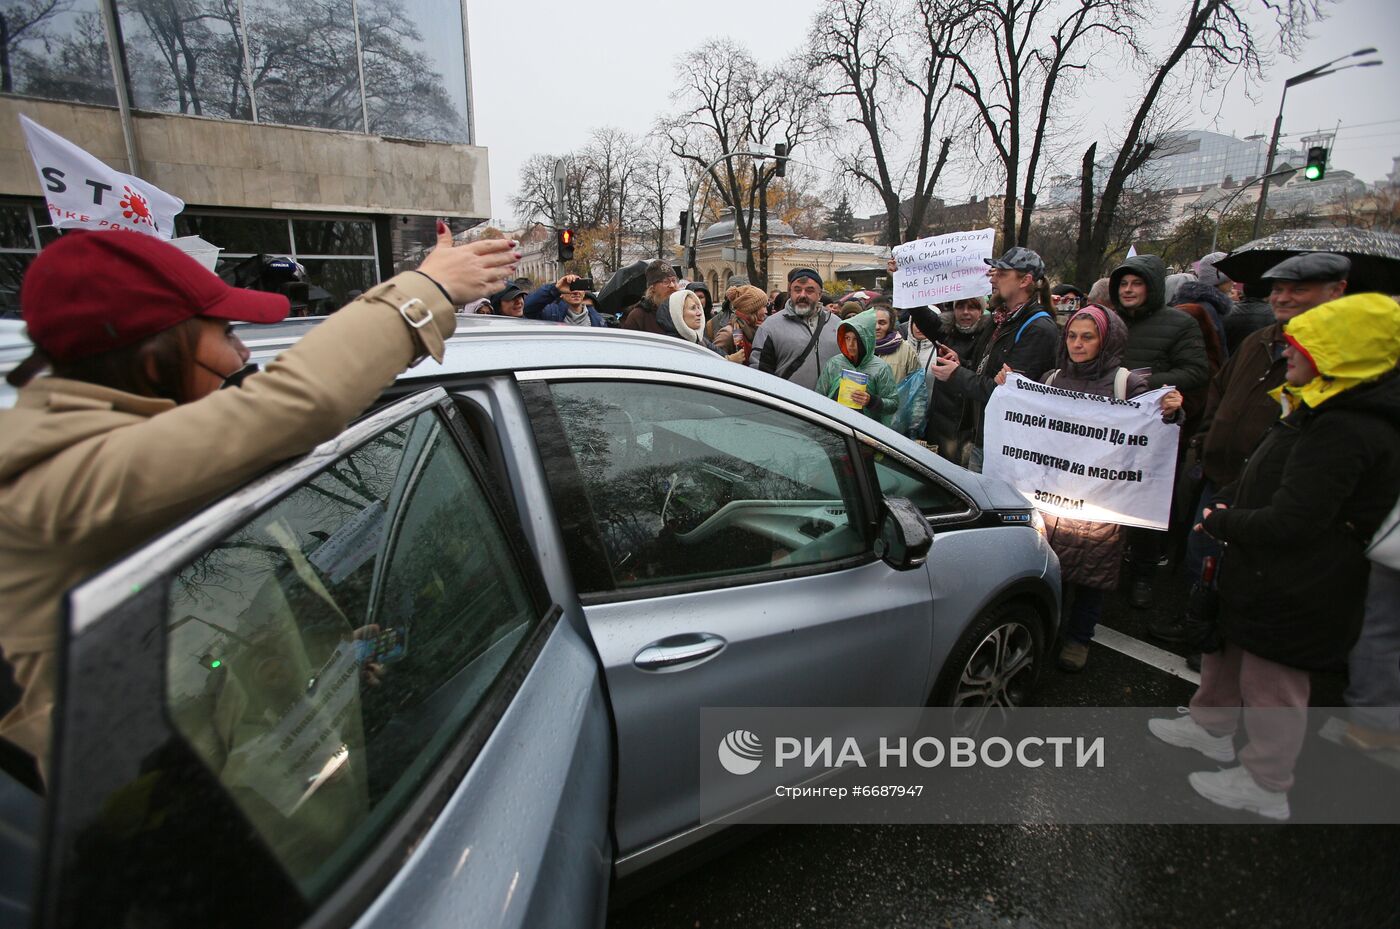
x=993 y=668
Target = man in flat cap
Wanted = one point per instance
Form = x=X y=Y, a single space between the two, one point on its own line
x=1239 y=409
x=796 y=342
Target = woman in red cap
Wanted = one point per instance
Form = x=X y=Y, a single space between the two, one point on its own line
x=131 y=432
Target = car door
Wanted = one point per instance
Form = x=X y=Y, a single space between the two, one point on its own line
x=722 y=542
x=340 y=695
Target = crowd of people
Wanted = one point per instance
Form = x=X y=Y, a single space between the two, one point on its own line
x=1285 y=389
x=1288 y=464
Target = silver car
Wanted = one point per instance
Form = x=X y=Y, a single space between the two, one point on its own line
x=446 y=670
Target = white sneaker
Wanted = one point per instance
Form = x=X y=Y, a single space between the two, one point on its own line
x=1236 y=789
x=1185 y=732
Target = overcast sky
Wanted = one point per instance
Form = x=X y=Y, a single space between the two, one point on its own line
x=610 y=63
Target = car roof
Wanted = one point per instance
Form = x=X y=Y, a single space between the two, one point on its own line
x=492 y=345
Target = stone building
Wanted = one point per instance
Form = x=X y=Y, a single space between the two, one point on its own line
x=337 y=144
x=718 y=255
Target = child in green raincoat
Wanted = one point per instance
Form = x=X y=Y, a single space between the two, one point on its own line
x=878 y=398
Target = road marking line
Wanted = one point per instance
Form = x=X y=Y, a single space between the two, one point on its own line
x=1159 y=658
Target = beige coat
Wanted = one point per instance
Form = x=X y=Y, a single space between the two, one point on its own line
x=88 y=473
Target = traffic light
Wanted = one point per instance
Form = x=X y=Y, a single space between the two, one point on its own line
x=780 y=155
x=685 y=224
x=1316 y=168
x=566 y=245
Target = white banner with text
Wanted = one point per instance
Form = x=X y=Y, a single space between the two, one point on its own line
x=1082 y=455
x=943 y=268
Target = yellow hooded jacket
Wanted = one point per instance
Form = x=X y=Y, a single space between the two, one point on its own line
x=1350 y=341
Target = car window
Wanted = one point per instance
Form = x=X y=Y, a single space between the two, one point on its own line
x=687 y=484
x=322 y=657
x=898 y=479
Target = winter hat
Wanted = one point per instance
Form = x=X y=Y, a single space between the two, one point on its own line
x=658 y=271
x=1172 y=285
x=746 y=299
x=1207 y=273
x=676 y=307
x=811 y=275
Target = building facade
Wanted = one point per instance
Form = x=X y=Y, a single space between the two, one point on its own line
x=334 y=132
x=718 y=256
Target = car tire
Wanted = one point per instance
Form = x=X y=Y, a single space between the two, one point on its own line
x=995 y=664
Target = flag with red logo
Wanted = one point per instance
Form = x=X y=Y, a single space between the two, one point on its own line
x=84 y=193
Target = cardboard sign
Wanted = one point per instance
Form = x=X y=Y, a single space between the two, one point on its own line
x=943 y=268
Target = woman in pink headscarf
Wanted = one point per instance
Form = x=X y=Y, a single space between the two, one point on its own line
x=1091 y=353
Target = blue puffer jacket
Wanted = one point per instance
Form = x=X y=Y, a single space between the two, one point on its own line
x=546 y=303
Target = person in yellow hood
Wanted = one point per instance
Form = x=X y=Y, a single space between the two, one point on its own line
x=1292 y=579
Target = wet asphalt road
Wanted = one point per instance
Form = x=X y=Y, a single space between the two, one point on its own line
x=1243 y=874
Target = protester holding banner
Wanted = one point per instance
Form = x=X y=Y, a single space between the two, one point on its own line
x=857 y=377
x=132 y=432
x=1091 y=552
x=1293 y=575
x=1166 y=343
x=1024 y=337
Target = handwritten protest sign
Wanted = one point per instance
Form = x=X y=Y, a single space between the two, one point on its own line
x=942 y=268
x=1081 y=455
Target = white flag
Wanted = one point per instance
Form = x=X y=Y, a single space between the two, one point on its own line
x=84 y=193
x=1132 y=251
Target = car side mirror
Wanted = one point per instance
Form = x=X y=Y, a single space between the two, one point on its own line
x=905 y=535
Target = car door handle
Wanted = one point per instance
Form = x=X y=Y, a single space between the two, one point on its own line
x=677 y=652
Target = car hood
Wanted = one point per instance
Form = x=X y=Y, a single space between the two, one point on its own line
x=1001 y=495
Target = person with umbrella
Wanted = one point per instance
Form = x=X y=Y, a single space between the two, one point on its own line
x=1294 y=571
x=661 y=282
x=1239 y=406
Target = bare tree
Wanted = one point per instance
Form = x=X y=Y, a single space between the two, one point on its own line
x=1033 y=54
x=1215 y=38
x=657 y=181
x=22 y=21
x=615 y=162
x=875 y=55
x=728 y=104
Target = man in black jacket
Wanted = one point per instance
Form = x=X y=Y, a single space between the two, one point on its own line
x=1024 y=338
x=1168 y=344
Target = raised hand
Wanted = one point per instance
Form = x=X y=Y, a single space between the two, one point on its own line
x=472 y=271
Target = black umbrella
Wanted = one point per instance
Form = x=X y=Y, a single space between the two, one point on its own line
x=624 y=288
x=1375 y=256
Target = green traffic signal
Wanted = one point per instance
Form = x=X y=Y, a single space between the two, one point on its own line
x=1317 y=163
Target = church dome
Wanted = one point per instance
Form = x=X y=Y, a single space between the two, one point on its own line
x=722 y=230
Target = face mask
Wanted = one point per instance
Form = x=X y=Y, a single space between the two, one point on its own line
x=232 y=380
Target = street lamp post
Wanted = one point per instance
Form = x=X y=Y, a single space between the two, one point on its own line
x=1313 y=74
x=1215 y=236
x=704 y=175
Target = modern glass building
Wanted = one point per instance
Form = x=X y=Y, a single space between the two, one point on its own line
x=329 y=131
x=1201 y=159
